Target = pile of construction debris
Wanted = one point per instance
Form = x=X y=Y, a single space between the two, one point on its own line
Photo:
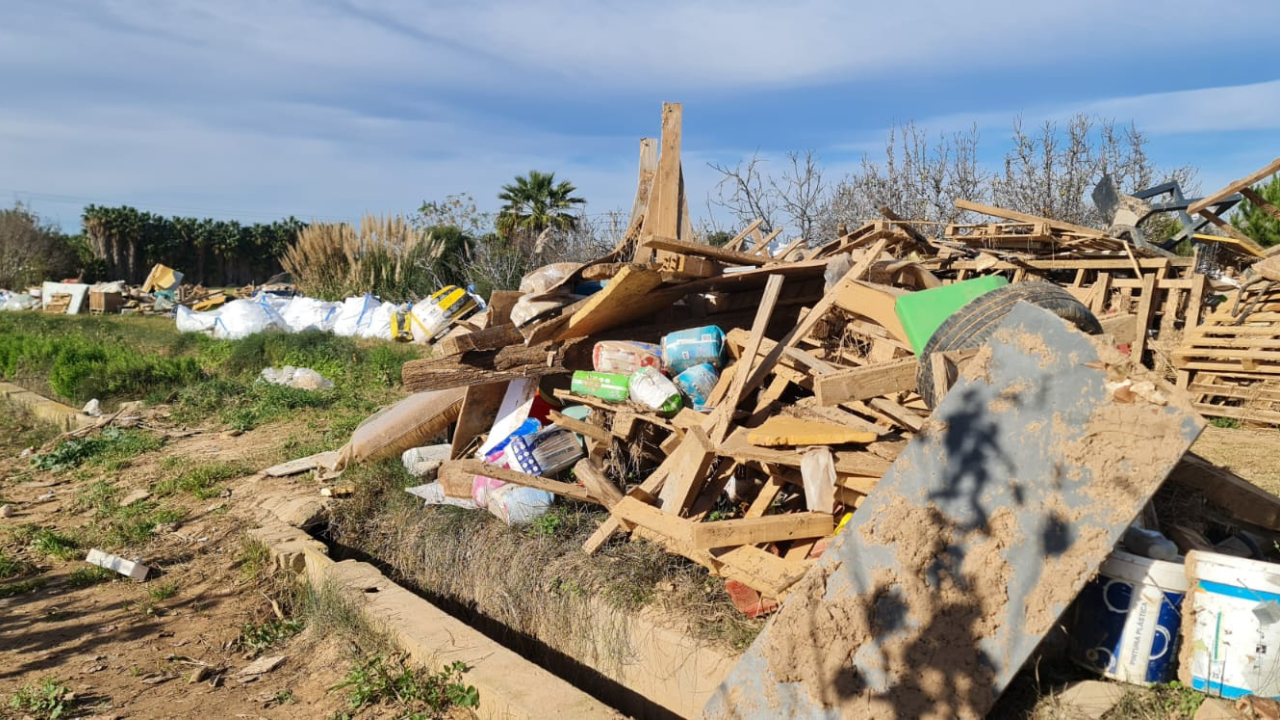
x=927 y=445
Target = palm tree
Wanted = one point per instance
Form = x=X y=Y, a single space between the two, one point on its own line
x=535 y=204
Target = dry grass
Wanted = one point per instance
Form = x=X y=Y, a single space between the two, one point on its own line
x=384 y=255
x=1250 y=453
x=534 y=581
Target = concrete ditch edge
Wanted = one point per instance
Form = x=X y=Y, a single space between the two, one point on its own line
x=509 y=686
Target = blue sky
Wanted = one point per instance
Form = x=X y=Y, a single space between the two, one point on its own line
x=326 y=109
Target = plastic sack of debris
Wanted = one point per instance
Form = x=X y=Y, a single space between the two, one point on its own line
x=533 y=306
x=354 y=314
x=624 y=356
x=433 y=494
x=683 y=349
x=299 y=378
x=425 y=461
x=413 y=422
x=18 y=301
x=697 y=383
x=304 y=313
x=517 y=504
x=242 y=318
x=546 y=277
x=189 y=320
x=379 y=325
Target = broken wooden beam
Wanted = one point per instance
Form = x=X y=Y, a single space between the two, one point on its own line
x=754 y=531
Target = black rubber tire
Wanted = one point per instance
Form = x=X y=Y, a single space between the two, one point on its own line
x=971 y=326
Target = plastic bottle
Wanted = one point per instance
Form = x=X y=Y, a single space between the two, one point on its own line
x=653 y=390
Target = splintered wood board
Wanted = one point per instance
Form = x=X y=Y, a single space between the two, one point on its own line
x=628 y=296
x=787 y=431
x=848 y=462
x=981 y=534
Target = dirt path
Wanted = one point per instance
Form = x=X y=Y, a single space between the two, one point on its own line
x=128 y=649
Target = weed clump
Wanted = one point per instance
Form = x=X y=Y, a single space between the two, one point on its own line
x=113 y=448
x=49 y=700
x=417 y=693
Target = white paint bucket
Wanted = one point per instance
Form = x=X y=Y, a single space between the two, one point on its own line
x=1126 y=620
x=1233 y=626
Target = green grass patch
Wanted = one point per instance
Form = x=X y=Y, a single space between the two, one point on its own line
x=163 y=591
x=258 y=637
x=50 y=543
x=134 y=525
x=49 y=700
x=414 y=692
x=112 y=449
x=88 y=577
x=200 y=481
x=11 y=567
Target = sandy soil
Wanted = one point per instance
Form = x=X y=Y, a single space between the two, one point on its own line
x=127 y=655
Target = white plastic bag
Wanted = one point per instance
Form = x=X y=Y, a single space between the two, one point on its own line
x=242 y=318
x=189 y=320
x=354 y=314
x=300 y=378
x=304 y=313
x=818 y=471
x=378 y=323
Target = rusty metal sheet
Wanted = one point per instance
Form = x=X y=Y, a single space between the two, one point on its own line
x=976 y=540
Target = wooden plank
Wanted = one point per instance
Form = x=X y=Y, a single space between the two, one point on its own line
x=1261 y=202
x=1234 y=187
x=736 y=242
x=1241 y=498
x=301 y=465
x=1143 y=321
x=753 y=531
x=866 y=382
x=1123 y=328
x=612 y=524
x=764 y=572
x=595 y=482
x=1239 y=392
x=1195 y=304
x=857 y=272
x=585 y=429
x=478 y=467
x=848 y=462
x=644 y=185
x=689 y=466
x=787 y=431
x=625 y=298
x=480 y=405
x=1231 y=230
x=490 y=338
x=730 y=257
x=773 y=485
x=632 y=511
x=663 y=215
x=899 y=414
x=722 y=416
x=875 y=302
x=922 y=242
x=1024 y=217
x=1239 y=413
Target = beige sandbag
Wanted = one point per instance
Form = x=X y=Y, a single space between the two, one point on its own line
x=413 y=422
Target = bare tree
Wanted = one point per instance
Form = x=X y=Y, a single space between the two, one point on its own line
x=746 y=193
x=794 y=199
x=919 y=180
x=1053 y=171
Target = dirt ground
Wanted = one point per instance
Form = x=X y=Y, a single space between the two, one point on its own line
x=126 y=651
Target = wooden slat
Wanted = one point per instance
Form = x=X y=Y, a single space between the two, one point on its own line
x=627 y=297
x=1146 y=304
x=1232 y=231
x=688 y=467
x=753 y=531
x=1024 y=217
x=731 y=257
x=585 y=429
x=1234 y=187
x=736 y=242
x=663 y=215
x=477 y=467
x=595 y=482
x=723 y=413
x=848 y=462
x=866 y=382
x=1219 y=485
x=479 y=409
